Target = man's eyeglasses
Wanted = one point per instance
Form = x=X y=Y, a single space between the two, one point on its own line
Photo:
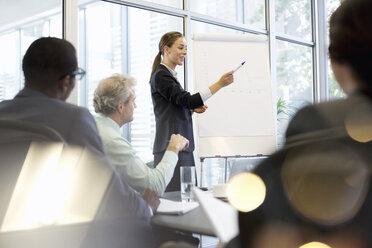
x=79 y=74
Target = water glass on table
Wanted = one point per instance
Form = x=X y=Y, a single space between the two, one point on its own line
x=187 y=182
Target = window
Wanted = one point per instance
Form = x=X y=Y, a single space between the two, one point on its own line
x=171 y=3
x=124 y=40
x=294 y=63
x=10 y=74
x=294 y=82
x=125 y=37
x=20 y=24
x=255 y=13
x=293 y=17
x=222 y=9
x=201 y=27
x=100 y=46
x=335 y=90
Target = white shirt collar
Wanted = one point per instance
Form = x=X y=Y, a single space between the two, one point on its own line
x=174 y=73
x=110 y=122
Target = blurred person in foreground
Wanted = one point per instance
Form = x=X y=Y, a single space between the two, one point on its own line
x=318 y=190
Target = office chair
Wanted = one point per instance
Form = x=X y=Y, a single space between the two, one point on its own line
x=15 y=130
x=54 y=195
x=30 y=154
x=15 y=139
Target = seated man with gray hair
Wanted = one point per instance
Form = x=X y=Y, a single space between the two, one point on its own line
x=114 y=102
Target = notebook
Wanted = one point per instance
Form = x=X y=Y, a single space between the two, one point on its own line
x=175 y=207
x=222 y=216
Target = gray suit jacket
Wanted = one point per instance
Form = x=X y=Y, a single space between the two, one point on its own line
x=75 y=124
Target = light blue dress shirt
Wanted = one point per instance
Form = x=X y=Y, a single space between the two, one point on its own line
x=122 y=155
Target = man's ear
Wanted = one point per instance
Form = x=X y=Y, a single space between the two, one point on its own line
x=64 y=87
x=120 y=107
x=64 y=83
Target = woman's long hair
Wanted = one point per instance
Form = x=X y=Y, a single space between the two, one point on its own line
x=168 y=40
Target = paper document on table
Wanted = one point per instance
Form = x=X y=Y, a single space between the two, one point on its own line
x=223 y=216
x=175 y=207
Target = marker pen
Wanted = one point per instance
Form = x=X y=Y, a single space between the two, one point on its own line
x=237 y=68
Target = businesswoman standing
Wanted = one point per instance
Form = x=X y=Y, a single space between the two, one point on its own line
x=173 y=106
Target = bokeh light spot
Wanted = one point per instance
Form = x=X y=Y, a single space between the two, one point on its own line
x=246 y=191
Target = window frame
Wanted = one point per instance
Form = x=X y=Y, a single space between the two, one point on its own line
x=70 y=15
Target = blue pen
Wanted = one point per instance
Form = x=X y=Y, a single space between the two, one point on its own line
x=237 y=68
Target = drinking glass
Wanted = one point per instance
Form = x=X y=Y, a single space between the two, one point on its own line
x=187 y=182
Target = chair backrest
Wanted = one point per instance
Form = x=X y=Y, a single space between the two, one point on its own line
x=16 y=130
x=15 y=139
x=36 y=167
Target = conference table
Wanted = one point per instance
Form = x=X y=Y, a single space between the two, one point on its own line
x=194 y=221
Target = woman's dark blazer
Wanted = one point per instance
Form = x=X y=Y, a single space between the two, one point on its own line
x=172 y=105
